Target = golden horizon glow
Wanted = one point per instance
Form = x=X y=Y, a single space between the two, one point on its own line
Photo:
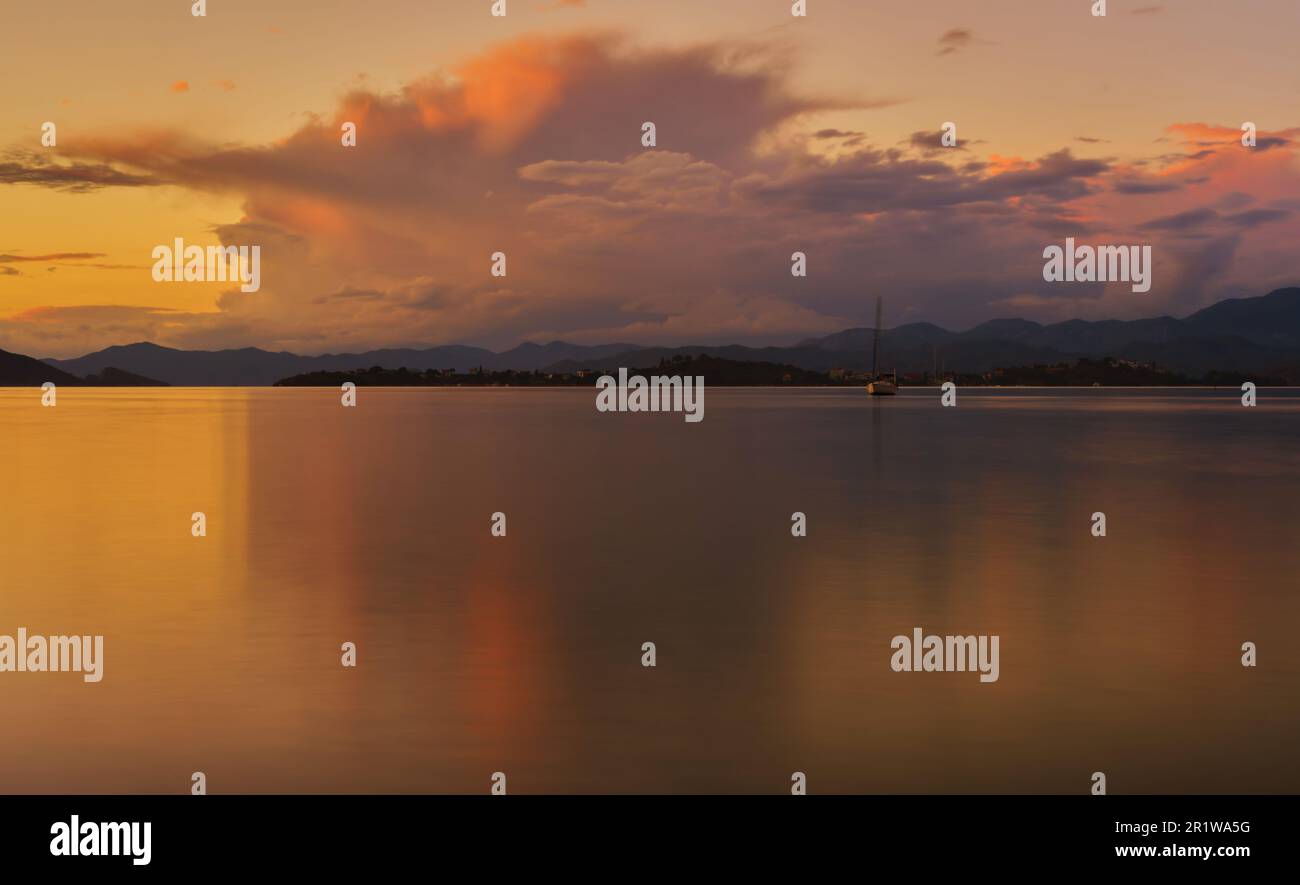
x=1024 y=82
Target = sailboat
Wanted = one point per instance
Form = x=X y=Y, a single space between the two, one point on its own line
x=880 y=385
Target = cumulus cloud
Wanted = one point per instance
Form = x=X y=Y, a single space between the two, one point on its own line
x=534 y=149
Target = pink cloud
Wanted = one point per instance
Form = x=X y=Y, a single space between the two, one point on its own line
x=534 y=148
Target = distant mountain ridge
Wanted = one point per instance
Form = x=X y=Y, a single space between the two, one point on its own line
x=17 y=370
x=252 y=366
x=1244 y=334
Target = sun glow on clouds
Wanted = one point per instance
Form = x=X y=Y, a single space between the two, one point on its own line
x=532 y=147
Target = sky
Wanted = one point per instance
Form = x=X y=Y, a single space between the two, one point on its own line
x=522 y=134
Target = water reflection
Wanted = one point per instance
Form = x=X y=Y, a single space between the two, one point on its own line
x=522 y=654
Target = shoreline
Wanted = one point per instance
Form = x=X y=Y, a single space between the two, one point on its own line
x=847 y=387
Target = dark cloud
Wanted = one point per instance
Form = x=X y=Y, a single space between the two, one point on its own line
x=1256 y=217
x=1235 y=200
x=930 y=141
x=1133 y=185
x=1182 y=222
x=954 y=40
x=79 y=177
x=875 y=181
x=534 y=149
x=1197 y=220
x=54 y=256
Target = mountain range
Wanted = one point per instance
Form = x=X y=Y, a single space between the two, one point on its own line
x=17 y=370
x=1260 y=334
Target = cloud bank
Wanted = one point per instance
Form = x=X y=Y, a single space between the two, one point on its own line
x=534 y=149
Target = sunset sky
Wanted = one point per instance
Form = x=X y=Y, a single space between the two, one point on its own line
x=522 y=134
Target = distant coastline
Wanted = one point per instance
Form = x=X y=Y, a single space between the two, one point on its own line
x=1082 y=373
x=1256 y=339
x=21 y=371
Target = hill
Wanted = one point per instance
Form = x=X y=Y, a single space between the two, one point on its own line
x=1256 y=335
x=251 y=366
x=17 y=370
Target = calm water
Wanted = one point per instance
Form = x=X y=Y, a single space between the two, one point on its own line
x=522 y=654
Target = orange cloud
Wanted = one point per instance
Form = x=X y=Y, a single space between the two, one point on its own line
x=504 y=92
x=533 y=148
x=181 y=86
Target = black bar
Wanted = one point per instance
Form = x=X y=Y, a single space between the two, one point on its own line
x=668 y=834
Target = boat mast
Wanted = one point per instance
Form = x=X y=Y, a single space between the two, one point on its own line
x=875 y=348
